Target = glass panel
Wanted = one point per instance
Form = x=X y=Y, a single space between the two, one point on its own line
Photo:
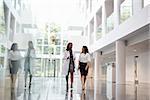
x=125 y=10
x=2 y=19
x=2 y=52
x=46 y=50
x=65 y=42
x=39 y=41
x=57 y=42
x=45 y=41
x=39 y=49
x=64 y=48
x=99 y=32
x=2 y=49
x=51 y=50
x=57 y=50
x=110 y=23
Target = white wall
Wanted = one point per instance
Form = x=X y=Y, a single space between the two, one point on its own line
x=22 y=40
x=78 y=41
x=142 y=63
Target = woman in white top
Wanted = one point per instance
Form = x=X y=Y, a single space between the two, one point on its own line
x=14 y=58
x=69 y=64
x=84 y=63
x=29 y=61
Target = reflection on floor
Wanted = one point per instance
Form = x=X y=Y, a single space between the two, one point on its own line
x=54 y=89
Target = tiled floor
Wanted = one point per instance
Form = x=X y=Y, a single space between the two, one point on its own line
x=54 y=89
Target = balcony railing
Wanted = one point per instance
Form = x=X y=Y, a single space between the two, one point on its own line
x=110 y=23
x=125 y=10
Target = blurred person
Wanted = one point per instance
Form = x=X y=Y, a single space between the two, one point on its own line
x=14 y=59
x=29 y=61
x=69 y=64
x=84 y=63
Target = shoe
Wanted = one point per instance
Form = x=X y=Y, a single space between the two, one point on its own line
x=29 y=85
x=67 y=88
x=71 y=86
x=83 y=87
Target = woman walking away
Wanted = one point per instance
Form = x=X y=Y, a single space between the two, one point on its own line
x=14 y=58
x=29 y=60
x=69 y=64
x=84 y=63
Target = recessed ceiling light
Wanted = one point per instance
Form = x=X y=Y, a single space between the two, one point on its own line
x=134 y=50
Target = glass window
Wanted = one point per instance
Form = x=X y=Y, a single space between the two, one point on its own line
x=110 y=23
x=125 y=10
x=39 y=41
x=39 y=49
x=57 y=42
x=51 y=50
x=99 y=32
x=64 y=48
x=65 y=42
x=46 y=50
x=45 y=41
x=2 y=18
x=57 y=50
x=2 y=49
x=2 y=52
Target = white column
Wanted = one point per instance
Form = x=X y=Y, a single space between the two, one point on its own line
x=103 y=19
x=97 y=67
x=97 y=73
x=120 y=92
x=89 y=35
x=137 y=6
x=15 y=27
x=120 y=62
x=116 y=13
x=95 y=27
x=120 y=70
x=7 y=36
x=149 y=53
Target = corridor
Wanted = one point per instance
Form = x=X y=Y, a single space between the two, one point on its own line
x=36 y=34
x=54 y=89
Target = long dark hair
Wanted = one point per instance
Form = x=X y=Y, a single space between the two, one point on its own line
x=13 y=46
x=86 y=49
x=68 y=46
x=30 y=42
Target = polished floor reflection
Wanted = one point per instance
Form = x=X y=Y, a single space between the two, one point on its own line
x=54 y=89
